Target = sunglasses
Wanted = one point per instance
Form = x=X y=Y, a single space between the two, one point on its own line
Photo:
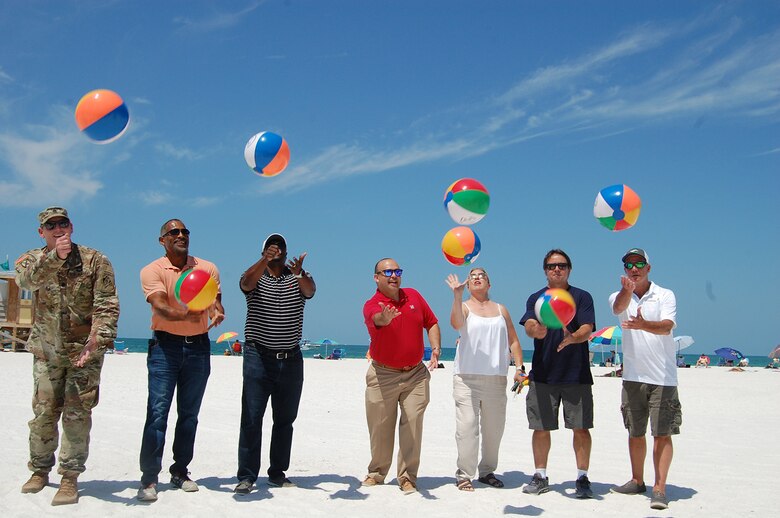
x=389 y=273
x=477 y=276
x=553 y=266
x=638 y=264
x=176 y=231
x=51 y=225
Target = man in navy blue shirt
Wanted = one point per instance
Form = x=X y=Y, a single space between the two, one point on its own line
x=560 y=373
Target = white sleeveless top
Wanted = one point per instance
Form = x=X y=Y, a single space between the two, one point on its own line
x=484 y=346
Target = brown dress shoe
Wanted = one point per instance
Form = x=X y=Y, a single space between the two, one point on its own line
x=68 y=492
x=37 y=481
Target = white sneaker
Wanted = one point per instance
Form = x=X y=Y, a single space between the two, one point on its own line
x=148 y=493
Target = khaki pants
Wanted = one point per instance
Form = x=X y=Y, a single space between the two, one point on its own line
x=388 y=390
x=480 y=405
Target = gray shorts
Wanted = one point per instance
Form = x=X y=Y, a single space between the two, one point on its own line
x=543 y=400
x=661 y=404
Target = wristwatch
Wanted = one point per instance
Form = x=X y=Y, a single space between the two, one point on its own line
x=299 y=275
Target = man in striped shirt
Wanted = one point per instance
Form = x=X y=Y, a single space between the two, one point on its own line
x=276 y=292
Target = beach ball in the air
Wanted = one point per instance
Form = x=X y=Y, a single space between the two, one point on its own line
x=267 y=154
x=617 y=207
x=555 y=308
x=196 y=289
x=102 y=116
x=467 y=201
x=460 y=246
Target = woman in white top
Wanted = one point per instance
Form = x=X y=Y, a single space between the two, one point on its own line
x=487 y=338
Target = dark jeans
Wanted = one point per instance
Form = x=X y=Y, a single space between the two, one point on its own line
x=184 y=367
x=282 y=381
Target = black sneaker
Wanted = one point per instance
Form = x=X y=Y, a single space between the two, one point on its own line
x=184 y=482
x=538 y=485
x=582 y=488
x=280 y=481
x=244 y=487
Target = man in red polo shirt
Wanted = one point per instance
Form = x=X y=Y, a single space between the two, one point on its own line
x=396 y=376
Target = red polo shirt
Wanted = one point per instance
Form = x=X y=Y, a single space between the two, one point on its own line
x=399 y=344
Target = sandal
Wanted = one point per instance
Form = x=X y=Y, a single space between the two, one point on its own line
x=491 y=480
x=465 y=485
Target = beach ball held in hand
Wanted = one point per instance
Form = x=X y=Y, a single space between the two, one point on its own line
x=267 y=154
x=102 y=116
x=460 y=246
x=617 y=207
x=555 y=308
x=467 y=201
x=196 y=289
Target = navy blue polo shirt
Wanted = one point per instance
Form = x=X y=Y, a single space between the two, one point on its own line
x=572 y=364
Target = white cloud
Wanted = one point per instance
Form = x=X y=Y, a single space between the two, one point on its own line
x=217 y=21
x=179 y=153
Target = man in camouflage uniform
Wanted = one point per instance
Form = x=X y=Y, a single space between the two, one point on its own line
x=76 y=313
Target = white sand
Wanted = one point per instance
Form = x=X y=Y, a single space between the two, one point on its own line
x=726 y=459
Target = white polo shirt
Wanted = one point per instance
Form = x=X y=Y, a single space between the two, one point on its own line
x=647 y=357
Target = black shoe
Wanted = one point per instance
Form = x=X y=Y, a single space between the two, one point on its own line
x=538 y=485
x=184 y=482
x=244 y=487
x=582 y=487
x=280 y=481
x=630 y=488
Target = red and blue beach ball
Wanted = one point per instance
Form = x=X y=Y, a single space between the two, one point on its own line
x=267 y=154
x=617 y=207
x=460 y=246
x=466 y=201
x=102 y=116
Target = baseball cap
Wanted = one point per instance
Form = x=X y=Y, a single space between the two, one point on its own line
x=52 y=212
x=636 y=251
x=275 y=239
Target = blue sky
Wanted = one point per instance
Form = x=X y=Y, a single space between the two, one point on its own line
x=384 y=104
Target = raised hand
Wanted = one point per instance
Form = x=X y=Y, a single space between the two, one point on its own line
x=296 y=264
x=453 y=282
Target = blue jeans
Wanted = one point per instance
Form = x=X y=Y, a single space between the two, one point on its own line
x=282 y=381
x=184 y=367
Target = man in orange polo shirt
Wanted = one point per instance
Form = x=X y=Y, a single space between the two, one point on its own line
x=179 y=360
x=396 y=376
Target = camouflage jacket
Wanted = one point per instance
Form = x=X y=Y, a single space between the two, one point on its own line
x=73 y=298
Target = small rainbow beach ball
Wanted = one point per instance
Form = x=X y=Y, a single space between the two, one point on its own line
x=617 y=207
x=555 y=308
x=267 y=154
x=102 y=116
x=196 y=289
x=460 y=246
x=467 y=201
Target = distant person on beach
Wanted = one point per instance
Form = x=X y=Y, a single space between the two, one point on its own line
x=488 y=340
x=560 y=373
x=397 y=377
x=703 y=361
x=647 y=313
x=179 y=360
x=276 y=292
x=76 y=314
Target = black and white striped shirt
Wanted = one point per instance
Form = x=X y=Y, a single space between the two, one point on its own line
x=274 y=317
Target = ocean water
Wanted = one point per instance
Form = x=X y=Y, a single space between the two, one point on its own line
x=352 y=351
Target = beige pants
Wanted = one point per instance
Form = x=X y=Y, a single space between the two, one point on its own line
x=388 y=390
x=480 y=406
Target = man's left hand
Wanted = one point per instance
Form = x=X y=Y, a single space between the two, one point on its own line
x=296 y=264
x=434 y=363
x=637 y=322
x=88 y=351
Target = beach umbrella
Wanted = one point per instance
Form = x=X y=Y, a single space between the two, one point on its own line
x=227 y=336
x=683 y=342
x=607 y=337
x=327 y=342
x=728 y=353
x=775 y=352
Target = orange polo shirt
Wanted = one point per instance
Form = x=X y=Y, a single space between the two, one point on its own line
x=161 y=276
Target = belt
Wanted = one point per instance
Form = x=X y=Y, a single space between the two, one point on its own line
x=164 y=335
x=397 y=369
x=284 y=354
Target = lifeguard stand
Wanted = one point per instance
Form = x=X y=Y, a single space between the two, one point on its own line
x=17 y=313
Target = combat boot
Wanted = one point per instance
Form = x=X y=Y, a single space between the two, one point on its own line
x=68 y=492
x=38 y=481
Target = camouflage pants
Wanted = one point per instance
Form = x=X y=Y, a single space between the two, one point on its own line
x=62 y=390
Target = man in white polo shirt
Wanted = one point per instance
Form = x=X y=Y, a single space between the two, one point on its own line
x=647 y=313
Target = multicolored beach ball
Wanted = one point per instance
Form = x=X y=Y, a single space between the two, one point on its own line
x=617 y=207
x=555 y=308
x=102 y=116
x=196 y=289
x=267 y=154
x=467 y=201
x=460 y=246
